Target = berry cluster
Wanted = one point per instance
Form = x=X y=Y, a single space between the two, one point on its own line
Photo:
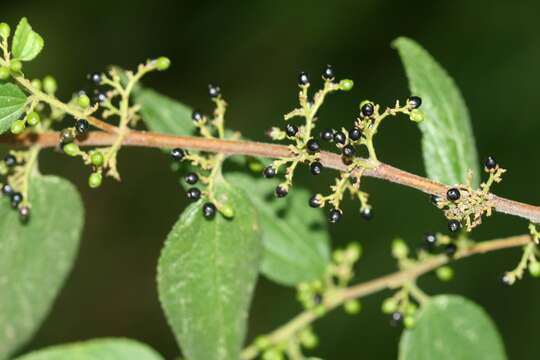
x=209 y=164
x=464 y=206
x=14 y=173
x=529 y=260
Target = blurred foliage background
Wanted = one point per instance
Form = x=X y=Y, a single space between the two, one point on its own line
x=254 y=50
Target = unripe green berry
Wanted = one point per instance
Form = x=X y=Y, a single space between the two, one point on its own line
x=411 y=309
x=389 y=306
x=353 y=307
x=353 y=252
x=71 y=149
x=417 y=115
x=36 y=84
x=226 y=211
x=18 y=126
x=83 y=101
x=273 y=354
x=49 y=84
x=400 y=250
x=262 y=342
x=97 y=158
x=346 y=85
x=445 y=273
x=94 y=181
x=339 y=256
x=5 y=30
x=320 y=310
x=163 y=63
x=33 y=118
x=308 y=339
x=16 y=66
x=534 y=269
x=4 y=73
x=409 y=321
x=3 y=168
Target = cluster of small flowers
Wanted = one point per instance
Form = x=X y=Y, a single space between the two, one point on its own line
x=11 y=172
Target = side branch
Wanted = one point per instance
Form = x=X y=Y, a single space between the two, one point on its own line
x=235 y=147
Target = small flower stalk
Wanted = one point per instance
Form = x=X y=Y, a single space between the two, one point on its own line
x=529 y=260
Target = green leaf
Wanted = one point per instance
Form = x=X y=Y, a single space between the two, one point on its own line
x=12 y=102
x=295 y=238
x=163 y=114
x=448 y=142
x=206 y=275
x=99 y=349
x=451 y=327
x=36 y=258
x=27 y=44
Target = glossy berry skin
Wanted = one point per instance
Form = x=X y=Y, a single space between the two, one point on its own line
x=450 y=249
x=269 y=172
x=355 y=134
x=177 y=154
x=328 y=73
x=291 y=130
x=196 y=116
x=414 y=102
x=453 y=194
x=314 y=202
x=339 y=137
x=281 y=191
x=193 y=194
x=316 y=168
x=16 y=199
x=66 y=136
x=95 y=78
x=209 y=210
x=7 y=189
x=491 y=163
x=214 y=91
x=430 y=240
x=327 y=135
x=82 y=126
x=24 y=213
x=334 y=215
x=396 y=318
x=10 y=160
x=99 y=97
x=313 y=146
x=366 y=213
x=367 y=110
x=191 y=178
x=303 y=79
x=97 y=158
x=435 y=199
x=94 y=180
x=454 y=225
x=348 y=151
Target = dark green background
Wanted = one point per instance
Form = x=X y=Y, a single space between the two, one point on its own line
x=254 y=50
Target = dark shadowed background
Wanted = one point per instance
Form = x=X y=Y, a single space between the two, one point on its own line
x=254 y=50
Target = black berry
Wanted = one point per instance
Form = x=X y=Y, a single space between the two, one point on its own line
x=317 y=299
x=66 y=136
x=178 y=154
x=194 y=194
x=347 y=160
x=191 y=178
x=454 y=225
x=303 y=79
x=327 y=135
x=209 y=210
x=355 y=133
x=490 y=163
x=7 y=189
x=314 y=202
x=99 y=97
x=214 y=91
x=367 y=110
x=269 y=172
x=313 y=146
x=24 y=213
x=339 y=137
x=450 y=249
x=435 y=199
x=291 y=130
x=82 y=126
x=431 y=240
x=196 y=116
x=328 y=72
x=334 y=215
x=316 y=168
x=10 y=160
x=281 y=191
x=414 y=102
x=396 y=318
x=16 y=199
x=348 y=151
x=366 y=213
x=453 y=194
x=95 y=78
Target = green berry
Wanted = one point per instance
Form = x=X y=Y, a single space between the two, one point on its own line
x=308 y=339
x=262 y=342
x=16 y=66
x=416 y=115
x=163 y=63
x=389 y=305
x=94 y=181
x=354 y=251
x=3 y=168
x=353 y=307
x=534 y=269
x=346 y=85
x=445 y=273
x=83 y=100
x=411 y=309
x=33 y=118
x=71 y=149
x=4 y=73
x=36 y=84
x=320 y=310
x=400 y=250
x=97 y=158
x=226 y=211
x=409 y=321
x=18 y=126
x=49 y=84
x=5 y=30
x=272 y=354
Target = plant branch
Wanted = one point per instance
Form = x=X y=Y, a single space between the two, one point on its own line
x=390 y=281
x=236 y=147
